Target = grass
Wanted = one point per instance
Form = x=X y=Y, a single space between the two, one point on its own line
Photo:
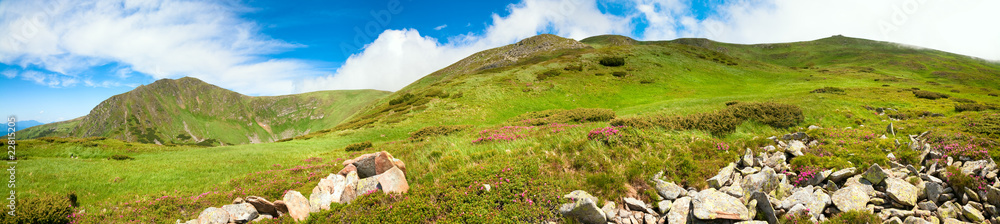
x=453 y=145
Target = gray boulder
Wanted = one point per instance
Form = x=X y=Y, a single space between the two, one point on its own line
x=669 y=190
x=298 y=205
x=634 y=204
x=723 y=177
x=764 y=207
x=795 y=148
x=843 y=174
x=973 y=214
x=901 y=191
x=875 y=174
x=213 y=215
x=664 y=206
x=584 y=210
x=679 y=211
x=933 y=191
x=850 y=198
x=241 y=213
x=813 y=199
x=764 y=181
x=710 y=204
x=747 y=160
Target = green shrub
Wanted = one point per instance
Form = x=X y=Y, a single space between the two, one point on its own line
x=928 y=94
x=612 y=61
x=599 y=74
x=573 y=68
x=723 y=121
x=547 y=74
x=960 y=181
x=619 y=74
x=647 y=81
x=427 y=132
x=987 y=125
x=972 y=107
x=578 y=115
x=854 y=217
x=183 y=137
x=833 y=90
x=436 y=92
x=960 y=100
x=120 y=157
x=42 y=209
x=825 y=162
x=401 y=99
x=358 y=146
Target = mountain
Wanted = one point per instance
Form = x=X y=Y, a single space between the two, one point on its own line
x=21 y=125
x=190 y=111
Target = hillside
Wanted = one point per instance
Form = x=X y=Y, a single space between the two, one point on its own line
x=190 y=111
x=502 y=135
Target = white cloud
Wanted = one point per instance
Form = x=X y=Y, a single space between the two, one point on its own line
x=162 y=38
x=399 y=57
x=441 y=27
x=9 y=73
x=46 y=79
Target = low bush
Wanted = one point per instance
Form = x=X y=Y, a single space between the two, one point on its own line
x=972 y=107
x=854 y=217
x=120 y=157
x=612 y=61
x=723 y=121
x=960 y=100
x=833 y=90
x=42 y=209
x=619 y=74
x=961 y=181
x=401 y=99
x=573 y=68
x=928 y=94
x=647 y=81
x=987 y=125
x=358 y=146
x=427 y=132
x=577 y=115
x=547 y=74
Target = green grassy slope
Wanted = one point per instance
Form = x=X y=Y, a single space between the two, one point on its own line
x=189 y=111
x=542 y=162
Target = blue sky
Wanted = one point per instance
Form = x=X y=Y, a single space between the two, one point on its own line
x=60 y=58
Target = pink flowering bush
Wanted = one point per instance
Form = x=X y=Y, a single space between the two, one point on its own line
x=604 y=134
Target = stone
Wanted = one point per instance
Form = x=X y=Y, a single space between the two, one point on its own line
x=776 y=160
x=679 y=211
x=579 y=195
x=799 y=209
x=394 y=181
x=831 y=187
x=971 y=194
x=901 y=191
x=213 y=215
x=875 y=174
x=992 y=195
x=238 y=200
x=364 y=164
x=927 y=205
x=367 y=186
x=710 y=204
x=915 y=220
x=649 y=218
x=764 y=207
x=748 y=170
x=933 y=191
x=814 y=127
x=748 y=158
x=818 y=177
x=972 y=214
x=813 y=199
x=241 y=213
x=893 y=220
x=723 y=177
x=953 y=221
x=850 y=198
x=320 y=198
x=843 y=174
x=634 y=204
x=350 y=187
x=948 y=210
x=298 y=205
x=609 y=210
x=764 y=181
x=975 y=167
x=890 y=129
x=384 y=162
x=281 y=207
x=795 y=148
x=347 y=169
x=668 y=190
x=263 y=206
x=664 y=206
x=584 y=210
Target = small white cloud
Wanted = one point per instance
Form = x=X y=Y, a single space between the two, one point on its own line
x=41 y=112
x=9 y=73
x=441 y=27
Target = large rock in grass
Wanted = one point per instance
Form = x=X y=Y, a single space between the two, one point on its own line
x=393 y=181
x=711 y=204
x=973 y=214
x=583 y=208
x=764 y=181
x=350 y=186
x=723 y=177
x=320 y=198
x=795 y=148
x=213 y=215
x=679 y=211
x=843 y=174
x=668 y=190
x=764 y=207
x=298 y=205
x=281 y=207
x=368 y=185
x=850 y=198
x=263 y=206
x=901 y=191
x=336 y=187
x=373 y=164
x=812 y=198
x=241 y=213
x=975 y=167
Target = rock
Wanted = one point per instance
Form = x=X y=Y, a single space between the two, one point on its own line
x=664 y=206
x=241 y=213
x=818 y=177
x=723 y=177
x=973 y=196
x=579 y=195
x=843 y=174
x=281 y=207
x=953 y=221
x=948 y=210
x=893 y=220
x=764 y=207
x=814 y=127
x=933 y=191
x=795 y=148
x=394 y=181
x=901 y=191
x=813 y=199
x=747 y=160
x=710 y=204
x=764 y=181
x=927 y=205
x=890 y=129
x=320 y=198
x=584 y=210
x=609 y=210
x=298 y=205
x=973 y=214
x=850 y=198
x=350 y=187
x=669 y=190
x=975 y=167
x=748 y=170
x=263 y=206
x=776 y=160
x=213 y=215
x=649 y=218
x=367 y=185
x=800 y=210
x=384 y=162
x=238 y=200
x=992 y=195
x=679 y=211
x=365 y=165
x=634 y=204
x=875 y=174
x=347 y=169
